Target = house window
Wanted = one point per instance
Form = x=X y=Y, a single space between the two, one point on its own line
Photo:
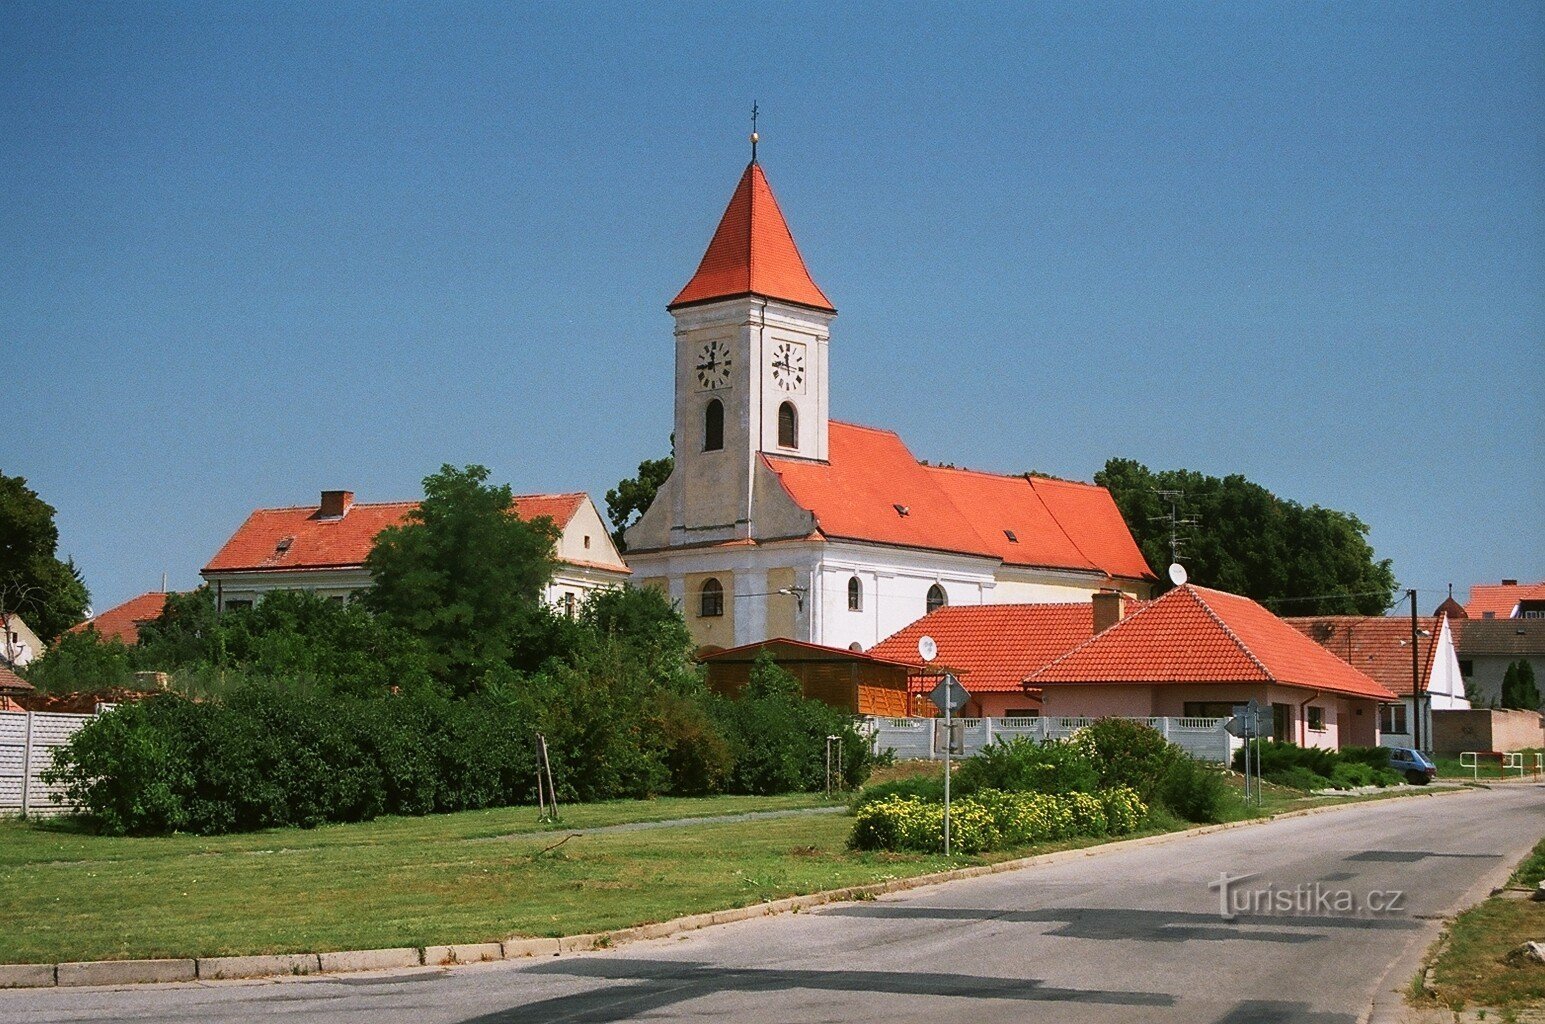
x=1392 y=719
x=567 y=603
x=335 y=599
x=713 y=426
x=1316 y=719
x=788 y=426
x=855 y=594
x=587 y=542
x=710 y=600
x=936 y=598
x=1466 y=667
x=1208 y=709
x=237 y=606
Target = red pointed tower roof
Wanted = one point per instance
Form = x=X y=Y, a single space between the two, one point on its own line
x=753 y=253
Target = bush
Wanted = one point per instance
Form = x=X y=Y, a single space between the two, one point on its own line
x=1022 y=765
x=1127 y=753
x=1124 y=810
x=1373 y=757
x=1194 y=791
x=1297 y=777
x=992 y=819
x=923 y=787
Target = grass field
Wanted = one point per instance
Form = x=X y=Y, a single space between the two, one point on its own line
x=1477 y=968
x=1450 y=770
x=475 y=876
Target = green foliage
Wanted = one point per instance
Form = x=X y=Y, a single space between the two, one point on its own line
x=1254 y=543
x=1023 y=765
x=923 y=787
x=1314 y=768
x=1518 y=687
x=1194 y=791
x=466 y=575
x=82 y=661
x=632 y=497
x=1373 y=757
x=47 y=592
x=992 y=819
x=1127 y=753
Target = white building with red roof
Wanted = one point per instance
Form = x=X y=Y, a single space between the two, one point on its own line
x=122 y=622
x=322 y=548
x=779 y=521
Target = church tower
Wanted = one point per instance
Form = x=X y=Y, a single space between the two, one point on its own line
x=751 y=354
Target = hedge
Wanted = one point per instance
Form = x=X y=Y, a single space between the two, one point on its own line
x=992 y=820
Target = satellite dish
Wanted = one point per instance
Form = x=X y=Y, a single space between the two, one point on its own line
x=926 y=648
x=1177 y=574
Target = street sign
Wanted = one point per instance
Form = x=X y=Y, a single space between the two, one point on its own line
x=949 y=696
x=949 y=736
x=926 y=648
x=1250 y=721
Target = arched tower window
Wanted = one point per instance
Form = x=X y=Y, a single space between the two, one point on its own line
x=788 y=426
x=713 y=426
x=710 y=599
x=855 y=594
x=936 y=598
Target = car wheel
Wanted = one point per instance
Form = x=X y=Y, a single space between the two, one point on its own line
x=1416 y=778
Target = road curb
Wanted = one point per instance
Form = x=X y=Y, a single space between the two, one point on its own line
x=285 y=965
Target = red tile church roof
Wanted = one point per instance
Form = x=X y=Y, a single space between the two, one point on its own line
x=122 y=622
x=753 y=253
x=993 y=648
x=319 y=542
x=1196 y=635
x=872 y=489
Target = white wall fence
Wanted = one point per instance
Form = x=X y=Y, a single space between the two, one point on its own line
x=923 y=738
x=27 y=742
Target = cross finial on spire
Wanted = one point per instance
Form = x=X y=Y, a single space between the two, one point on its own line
x=753 y=131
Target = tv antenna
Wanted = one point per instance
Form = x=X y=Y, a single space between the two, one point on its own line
x=1177 y=522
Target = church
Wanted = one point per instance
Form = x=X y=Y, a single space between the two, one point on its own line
x=778 y=521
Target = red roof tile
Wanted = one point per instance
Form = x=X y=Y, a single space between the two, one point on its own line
x=12 y=683
x=855 y=495
x=318 y=542
x=122 y=622
x=1379 y=646
x=993 y=648
x=752 y=253
x=1499 y=600
x=1196 y=635
x=801 y=650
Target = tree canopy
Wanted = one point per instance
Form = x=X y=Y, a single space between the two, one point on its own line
x=465 y=574
x=632 y=497
x=1519 y=689
x=47 y=592
x=1296 y=559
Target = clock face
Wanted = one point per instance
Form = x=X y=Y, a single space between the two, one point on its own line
x=713 y=365
x=788 y=366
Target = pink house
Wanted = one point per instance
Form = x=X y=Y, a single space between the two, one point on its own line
x=1196 y=653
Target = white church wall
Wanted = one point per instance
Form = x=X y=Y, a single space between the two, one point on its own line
x=894 y=589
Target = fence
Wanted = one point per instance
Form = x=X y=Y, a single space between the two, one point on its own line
x=27 y=742
x=923 y=738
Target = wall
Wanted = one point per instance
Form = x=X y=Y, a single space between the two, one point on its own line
x=27 y=743
x=852 y=686
x=1455 y=731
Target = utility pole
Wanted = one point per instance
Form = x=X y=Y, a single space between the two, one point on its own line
x=1416 y=675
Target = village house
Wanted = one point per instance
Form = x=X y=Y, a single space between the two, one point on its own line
x=1379 y=646
x=778 y=521
x=322 y=548
x=1506 y=600
x=19 y=645
x=122 y=622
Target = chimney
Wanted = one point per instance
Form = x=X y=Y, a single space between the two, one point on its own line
x=1510 y=583
x=1109 y=608
x=335 y=504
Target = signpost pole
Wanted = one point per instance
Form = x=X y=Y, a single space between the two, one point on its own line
x=949 y=744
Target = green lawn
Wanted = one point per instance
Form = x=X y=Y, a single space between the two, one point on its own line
x=68 y=895
x=1489 y=768
x=1477 y=968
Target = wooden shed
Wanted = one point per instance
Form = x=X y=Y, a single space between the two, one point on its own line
x=853 y=681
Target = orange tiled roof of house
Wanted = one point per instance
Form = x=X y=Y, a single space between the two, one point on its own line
x=752 y=253
x=303 y=538
x=1196 y=635
x=993 y=648
x=13 y=684
x=1379 y=646
x=122 y=622
x=872 y=489
x=1499 y=600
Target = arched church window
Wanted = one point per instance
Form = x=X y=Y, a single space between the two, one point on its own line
x=713 y=426
x=936 y=598
x=710 y=599
x=855 y=594
x=788 y=426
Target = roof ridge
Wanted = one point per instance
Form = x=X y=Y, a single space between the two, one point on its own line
x=1228 y=630
x=1141 y=609
x=1065 y=532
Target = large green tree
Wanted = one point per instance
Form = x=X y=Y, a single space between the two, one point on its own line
x=46 y=591
x=1519 y=689
x=466 y=574
x=1297 y=559
x=632 y=497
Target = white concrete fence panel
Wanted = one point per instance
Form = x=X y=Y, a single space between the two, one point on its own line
x=27 y=744
x=921 y=739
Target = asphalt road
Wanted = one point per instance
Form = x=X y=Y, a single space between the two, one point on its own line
x=1126 y=935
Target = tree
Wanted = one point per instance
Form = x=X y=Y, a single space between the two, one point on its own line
x=46 y=592
x=464 y=573
x=632 y=497
x=1518 y=687
x=1297 y=559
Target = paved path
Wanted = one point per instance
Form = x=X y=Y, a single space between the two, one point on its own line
x=644 y=826
x=1124 y=935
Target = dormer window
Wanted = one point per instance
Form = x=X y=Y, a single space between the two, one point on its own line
x=283 y=545
x=1010 y=535
x=902 y=510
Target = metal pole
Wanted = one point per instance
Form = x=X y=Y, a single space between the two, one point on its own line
x=1416 y=675
x=552 y=791
x=949 y=742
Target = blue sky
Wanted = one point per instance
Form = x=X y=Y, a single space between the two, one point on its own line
x=251 y=252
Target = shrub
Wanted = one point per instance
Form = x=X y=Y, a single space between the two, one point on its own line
x=1127 y=753
x=924 y=787
x=1192 y=790
x=1297 y=777
x=992 y=819
x=1023 y=765
x=1278 y=756
x=1373 y=757
x=1124 y=810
